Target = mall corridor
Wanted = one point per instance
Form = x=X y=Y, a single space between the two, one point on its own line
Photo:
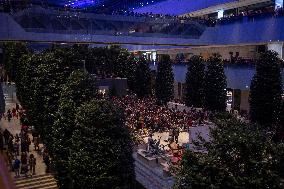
x=40 y=180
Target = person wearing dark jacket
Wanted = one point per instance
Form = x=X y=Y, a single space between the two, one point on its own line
x=1 y=142
x=6 y=135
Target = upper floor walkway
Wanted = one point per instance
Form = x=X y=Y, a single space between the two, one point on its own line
x=45 y=25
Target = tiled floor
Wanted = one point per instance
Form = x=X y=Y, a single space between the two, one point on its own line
x=14 y=127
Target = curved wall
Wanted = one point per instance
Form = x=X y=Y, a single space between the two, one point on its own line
x=245 y=31
x=238 y=77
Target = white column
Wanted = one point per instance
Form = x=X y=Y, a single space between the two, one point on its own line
x=220 y=13
x=277 y=47
x=278 y=4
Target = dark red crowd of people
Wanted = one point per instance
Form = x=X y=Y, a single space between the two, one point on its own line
x=145 y=113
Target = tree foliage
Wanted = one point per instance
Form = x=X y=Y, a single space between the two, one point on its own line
x=279 y=130
x=238 y=156
x=101 y=151
x=51 y=88
x=24 y=80
x=142 y=79
x=266 y=90
x=12 y=55
x=215 y=85
x=39 y=88
x=164 y=80
x=195 y=82
x=79 y=88
x=112 y=61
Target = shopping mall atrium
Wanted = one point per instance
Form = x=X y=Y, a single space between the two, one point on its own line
x=141 y=94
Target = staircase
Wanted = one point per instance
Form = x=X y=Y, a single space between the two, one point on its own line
x=36 y=182
x=9 y=93
x=8 y=99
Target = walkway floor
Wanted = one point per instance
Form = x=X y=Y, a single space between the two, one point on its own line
x=14 y=128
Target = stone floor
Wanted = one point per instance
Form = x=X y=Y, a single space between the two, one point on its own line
x=14 y=128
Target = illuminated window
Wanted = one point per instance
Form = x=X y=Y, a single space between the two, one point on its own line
x=220 y=13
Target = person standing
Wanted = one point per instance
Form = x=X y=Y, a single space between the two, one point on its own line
x=35 y=139
x=9 y=115
x=4 y=115
x=32 y=163
x=14 y=113
x=24 y=160
x=1 y=142
x=17 y=107
x=23 y=145
x=6 y=134
x=28 y=143
x=10 y=144
x=16 y=148
x=47 y=162
x=17 y=138
x=35 y=134
x=16 y=166
x=175 y=134
x=189 y=122
x=36 y=143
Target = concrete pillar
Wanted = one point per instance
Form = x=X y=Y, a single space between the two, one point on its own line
x=277 y=47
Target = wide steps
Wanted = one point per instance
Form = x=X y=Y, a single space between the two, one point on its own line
x=36 y=182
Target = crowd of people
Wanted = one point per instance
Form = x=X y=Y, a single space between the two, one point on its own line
x=17 y=148
x=14 y=113
x=145 y=118
x=173 y=18
x=145 y=114
x=144 y=15
x=209 y=21
x=251 y=15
